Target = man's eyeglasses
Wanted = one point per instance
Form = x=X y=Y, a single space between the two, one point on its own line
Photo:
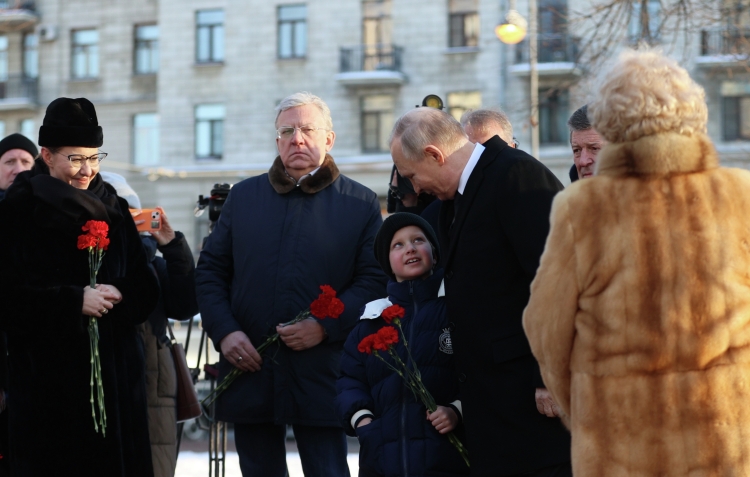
x=77 y=160
x=286 y=132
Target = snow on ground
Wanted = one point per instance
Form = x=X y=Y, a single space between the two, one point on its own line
x=195 y=464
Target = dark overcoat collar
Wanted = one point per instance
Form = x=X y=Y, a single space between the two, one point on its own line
x=449 y=234
x=283 y=184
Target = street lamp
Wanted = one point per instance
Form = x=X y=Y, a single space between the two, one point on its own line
x=512 y=32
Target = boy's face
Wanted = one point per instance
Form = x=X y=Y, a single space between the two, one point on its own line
x=410 y=254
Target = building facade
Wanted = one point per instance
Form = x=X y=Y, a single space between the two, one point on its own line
x=185 y=89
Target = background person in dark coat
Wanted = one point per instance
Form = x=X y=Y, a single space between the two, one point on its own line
x=502 y=197
x=175 y=270
x=46 y=300
x=280 y=236
x=17 y=154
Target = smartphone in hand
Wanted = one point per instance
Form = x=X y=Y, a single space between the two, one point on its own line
x=146 y=220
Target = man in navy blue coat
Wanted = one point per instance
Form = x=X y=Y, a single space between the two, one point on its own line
x=493 y=223
x=280 y=236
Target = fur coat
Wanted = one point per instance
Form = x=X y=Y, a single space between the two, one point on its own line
x=640 y=312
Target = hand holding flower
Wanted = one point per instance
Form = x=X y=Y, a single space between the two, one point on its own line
x=303 y=335
x=444 y=419
x=94 y=301
x=238 y=350
x=111 y=293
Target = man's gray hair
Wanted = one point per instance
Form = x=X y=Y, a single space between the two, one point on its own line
x=579 y=120
x=482 y=120
x=304 y=98
x=424 y=126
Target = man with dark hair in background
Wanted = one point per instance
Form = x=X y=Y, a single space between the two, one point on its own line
x=585 y=142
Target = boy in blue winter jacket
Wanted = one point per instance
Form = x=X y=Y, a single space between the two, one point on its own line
x=397 y=435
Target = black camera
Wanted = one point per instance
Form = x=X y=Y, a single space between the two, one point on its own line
x=214 y=203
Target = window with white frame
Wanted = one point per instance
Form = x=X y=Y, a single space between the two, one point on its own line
x=553 y=116
x=85 y=54
x=460 y=102
x=146 y=49
x=209 y=36
x=209 y=130
x=645 y=25
x=31 y=55
x=377 y=121
x=146 y=139
x=26 y=127
x=292 y=31
x=735 y=111
x=463 y=23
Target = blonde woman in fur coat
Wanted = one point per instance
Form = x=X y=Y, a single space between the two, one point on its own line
x=639 y=313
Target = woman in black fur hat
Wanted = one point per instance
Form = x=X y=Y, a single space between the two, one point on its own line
x=46 y=303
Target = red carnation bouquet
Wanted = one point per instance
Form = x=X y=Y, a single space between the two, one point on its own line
x=325 y=306
x=383 y=341
x=96 y=242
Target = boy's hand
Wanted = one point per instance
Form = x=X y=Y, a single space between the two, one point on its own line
x=444 y=419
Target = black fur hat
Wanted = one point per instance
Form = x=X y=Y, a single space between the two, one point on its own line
x=18 y=141
x=393 y=224
x=70 y=122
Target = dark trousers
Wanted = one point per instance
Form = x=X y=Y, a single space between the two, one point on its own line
x=262 y=450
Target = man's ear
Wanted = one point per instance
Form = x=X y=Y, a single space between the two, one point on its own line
x=435 y=154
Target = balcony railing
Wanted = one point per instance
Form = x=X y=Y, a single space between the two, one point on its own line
x=18 y=90
x=551 y=48
x=726 y=41
x=370 y=58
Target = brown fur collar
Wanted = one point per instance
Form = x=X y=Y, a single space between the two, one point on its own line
x=658 y=155
x=283 y=184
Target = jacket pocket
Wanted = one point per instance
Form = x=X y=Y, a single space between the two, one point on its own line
x=510 y=347
x=370 y=448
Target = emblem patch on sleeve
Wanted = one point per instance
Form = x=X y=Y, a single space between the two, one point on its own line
x=446 y=346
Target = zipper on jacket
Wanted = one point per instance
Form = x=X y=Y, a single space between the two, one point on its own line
x=405 y=393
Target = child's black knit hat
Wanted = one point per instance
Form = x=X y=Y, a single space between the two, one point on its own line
x=393 y=224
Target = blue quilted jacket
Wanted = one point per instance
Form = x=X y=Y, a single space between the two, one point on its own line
x=400 y=441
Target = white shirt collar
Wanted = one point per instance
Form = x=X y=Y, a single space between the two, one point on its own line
x=475 y=155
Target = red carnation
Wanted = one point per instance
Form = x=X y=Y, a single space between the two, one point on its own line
x=392 y=312
x=86 y=241
x=97 y=228
x=103 y=243
x=365 y=346
x=319 y=307
x=335 y=308
x=388 y=335
x=327 y=290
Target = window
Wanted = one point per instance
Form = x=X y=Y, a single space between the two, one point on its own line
x=459 y=103
x=735 y=110
x=209 y=130
x=27 y=129
x=463 y=23
x=2 y=129
x=553 y=117
x=31 y=55
x=146 y=49
x=377 y=121
x=292 y=31
x=85 y=62
x=209 y=36
x=146 y=139
x=645 y=26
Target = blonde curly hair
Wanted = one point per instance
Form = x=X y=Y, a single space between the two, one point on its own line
x=646 y=93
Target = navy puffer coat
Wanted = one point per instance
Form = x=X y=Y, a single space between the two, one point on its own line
x=400 y=441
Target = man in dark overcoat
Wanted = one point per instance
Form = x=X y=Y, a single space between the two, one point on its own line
x=282 y=235
x=494 y=220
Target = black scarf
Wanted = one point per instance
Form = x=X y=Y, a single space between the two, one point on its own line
x=70 y=206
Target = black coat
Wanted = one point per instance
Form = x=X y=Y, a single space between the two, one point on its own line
x=273 y=247
x=493 y=253
x=42 y=276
